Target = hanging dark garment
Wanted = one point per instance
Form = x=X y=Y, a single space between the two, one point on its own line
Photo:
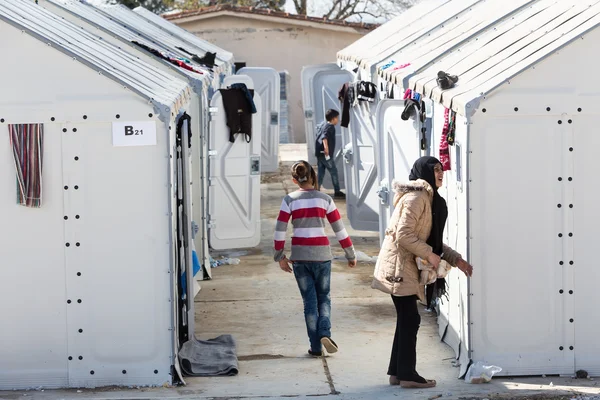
x=208 y=60
x=238 y=111
x=367 y=91
x=344 y=98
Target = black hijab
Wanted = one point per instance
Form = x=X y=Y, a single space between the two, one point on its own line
x=424 y=169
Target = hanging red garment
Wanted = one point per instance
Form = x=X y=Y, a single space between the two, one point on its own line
x=444 y=148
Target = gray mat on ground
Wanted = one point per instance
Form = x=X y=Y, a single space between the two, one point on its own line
x=214 y=357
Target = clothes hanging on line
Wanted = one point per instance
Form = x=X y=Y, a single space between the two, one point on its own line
x=412 y=104
x=179 y=61
x=366 y=91
x=444 y=149
x=345 y=96
x=27 y=143
x=238 y=102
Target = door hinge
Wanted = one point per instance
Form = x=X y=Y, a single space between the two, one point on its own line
x=347 y=153
x=383 y=192
x=213 y=110
x=211 y=224
x=212 y=153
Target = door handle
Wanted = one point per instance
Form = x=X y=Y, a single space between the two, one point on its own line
x=347 y=154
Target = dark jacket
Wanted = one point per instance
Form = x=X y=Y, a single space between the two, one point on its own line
x=239 y=107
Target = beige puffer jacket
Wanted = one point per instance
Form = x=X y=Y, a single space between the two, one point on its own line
x=396 y=270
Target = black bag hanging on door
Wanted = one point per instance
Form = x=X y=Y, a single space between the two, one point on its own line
x=238 y=111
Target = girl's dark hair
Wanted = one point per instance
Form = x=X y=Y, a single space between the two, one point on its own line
x=303 y=172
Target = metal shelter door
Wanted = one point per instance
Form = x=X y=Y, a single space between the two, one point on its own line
x=266 y=84
x=360 y=155
x=399 y=147
x=320 y=86
x=234 y=183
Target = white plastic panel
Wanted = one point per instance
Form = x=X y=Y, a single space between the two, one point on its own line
x=33 y=254
x=519 y=316
x=360 y=168
x=320 y=87
x=234 y=192
x=266 y=84
x=399 y=147
x=585 y=216
x=130 y=329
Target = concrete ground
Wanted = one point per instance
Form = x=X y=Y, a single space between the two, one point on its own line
x=261 y=306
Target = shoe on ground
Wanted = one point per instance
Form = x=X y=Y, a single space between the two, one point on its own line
x=339 y=195
x=394 y=381
x=315 y=353
x=329 y=345
x=417 y=385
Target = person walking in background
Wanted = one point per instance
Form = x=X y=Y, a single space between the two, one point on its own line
x=325 y=151
x=416 y=229
x=310 y=261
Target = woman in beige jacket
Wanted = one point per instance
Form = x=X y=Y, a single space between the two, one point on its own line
x=416 y=229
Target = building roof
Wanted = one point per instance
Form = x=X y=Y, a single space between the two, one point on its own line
x=291 y=18
x=148 y=82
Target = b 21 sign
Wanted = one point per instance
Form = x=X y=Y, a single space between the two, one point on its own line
x=134 y=133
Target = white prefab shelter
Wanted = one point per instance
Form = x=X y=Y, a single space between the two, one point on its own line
x=102 y=255
x=521 y=207
x=119 y=35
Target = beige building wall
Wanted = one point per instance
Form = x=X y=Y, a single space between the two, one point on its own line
x=278 y=45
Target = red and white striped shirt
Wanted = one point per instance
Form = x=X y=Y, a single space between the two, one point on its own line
x=310 y=210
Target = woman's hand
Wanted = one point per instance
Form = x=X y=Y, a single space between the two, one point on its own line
x=351 y=263
x=434 y=260
x=284 y=264
x=465 y=267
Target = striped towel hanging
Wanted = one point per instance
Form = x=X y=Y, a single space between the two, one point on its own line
x=27 y=144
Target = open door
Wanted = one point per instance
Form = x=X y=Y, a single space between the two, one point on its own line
x=399 y=147
x=266 y=84
x=360 y=155
x=320 y=86
x=234 y=170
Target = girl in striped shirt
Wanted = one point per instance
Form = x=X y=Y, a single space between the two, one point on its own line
x=310 y=260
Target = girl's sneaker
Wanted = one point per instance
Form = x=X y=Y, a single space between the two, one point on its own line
x=315 y=353
x=329 y=345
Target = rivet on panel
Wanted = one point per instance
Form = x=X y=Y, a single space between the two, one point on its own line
x=560 y=235
x=484 y=110
x=65 y=130
x=561 y=291
x=2 y=120
x=559 y=206
x=570 y=179
x=81 y=331
x=559 y=179
x=92 y=372
x=76 y=187
x=74 y=129
x=66 y=188
x=70 y=358
x=117 y=116
x=80 y=358
x=79 y=301
x=571 y=347
x=579 y=110
x=570 y=149
x=570 y=292
x=516 y=109
x=76 y=158
x=68 y=244
x=77 y=217
x=560 y=122
x=68 y=301
x=124 y=372
x=570 y=234
x=571 y=320
x=571 y=262
x=561 y=263
x=77 y=244
x=66 y=218
x=570 y=121
x=548 y=109
x=85 y=117
x=156 y=372
x=150 y=115
x=570 y=205
x=52 y=119
x=561 y=348
x=79 y=274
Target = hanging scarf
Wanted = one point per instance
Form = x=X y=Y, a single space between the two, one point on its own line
x=444 y=150
x=424 y=169
x=27 y=142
